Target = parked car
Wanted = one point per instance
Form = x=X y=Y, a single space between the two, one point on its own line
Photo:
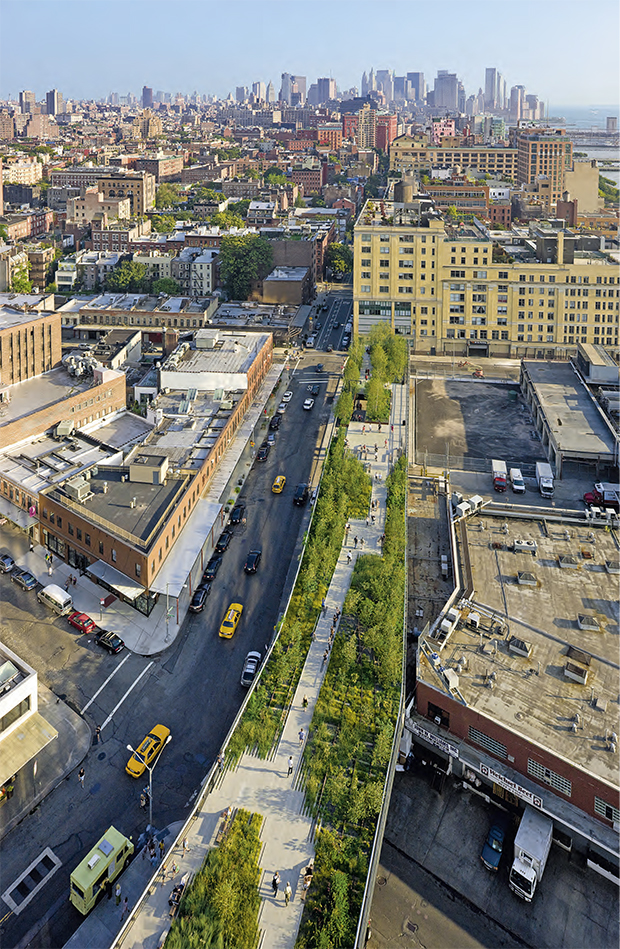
x=24 y=579
x=308 y=404
x=493 y=846
x=252 y=561
x=278 y=485
x=231 y=620
x=110 y=641
x=223 y=542
x=301 y=494
x=199 y=599
x=271 y=439
x=250 y=668
x=148 y=751
x=82 y=622
x=287 y=396
x=263 y=452
x=6 y=563
x=319 y=367
x=237 y=514
x=281 y=408
x=212 y=568
x=274 y=424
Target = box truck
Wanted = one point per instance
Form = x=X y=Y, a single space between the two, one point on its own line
x=532 y=846
x=500 y=475
x=516 y=481
x=544 y=479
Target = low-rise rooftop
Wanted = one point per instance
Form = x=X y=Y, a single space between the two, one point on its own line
x=40 y=391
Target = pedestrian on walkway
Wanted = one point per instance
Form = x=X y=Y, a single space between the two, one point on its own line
x=153 y=858
x=392 y=428
x=325 y=655
x=162 y=848
x=349 y=558
x=385 y=445
x=372 y=518
x=302 y=736
x=275 y=883
x=97 y=734
x=304 y=701
x=363 y=429
x=142 y=801
x=355 y=541
x=117 y=893
x=173 y=870
x=367 y=521
x=125 y=912
x=323 y=606
x=220 y=761
x=362 y=543
x=290 y=766
x=81 y=776
x=186 y=847
x=287 y=894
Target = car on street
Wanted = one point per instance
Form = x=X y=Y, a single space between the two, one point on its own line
x=237 y=514
x=345 y=341
x=212 y=568
x=252 y=560
x=24 y=579
x=199 y=598
x=271 y=439
x=263 y=452
x=148 y=751
x=110 y=641
x=287 y=396
x=278 y=485
x=223 y=542
x=6 y=563
x=319 y=367
x=308 y=404
x=301 y=494
x=281 y=408
x=82 y=622
x=314 y=390
x=330 y=348
x=493 y=846
x=274 y=424
x=231 y=620
x=250 y=668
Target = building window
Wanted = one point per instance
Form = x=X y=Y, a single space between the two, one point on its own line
x=608 y=811
x=70 y=529
x=555 y=781
x=101 y=547
x=138 y=569
x=439 y=715
x=485 y=741
x=113 y=554
x=87 y=539
x=78 y=533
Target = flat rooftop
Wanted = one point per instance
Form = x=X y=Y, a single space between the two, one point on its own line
x=114 y=507
x=14 y=316
x=232 y=353
x=45 y=461
x=532 y=695
x=253 y=314
x=188 y=431
x=142 y=303
x=570 y=411
x=122 y=431
x=40 y=392
x=286 y=273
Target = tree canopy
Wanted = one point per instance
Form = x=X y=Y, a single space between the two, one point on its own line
x=275 y=176
x=166 y=285
x=128 y=277
x=162 y=223
x=167 y=195
x=339 y=258
x=243 y=258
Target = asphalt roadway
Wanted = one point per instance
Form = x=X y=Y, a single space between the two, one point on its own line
x=193 y=687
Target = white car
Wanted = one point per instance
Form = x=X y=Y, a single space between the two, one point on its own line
x=250 y=668
x=308 y=404
x=281 y=408
x=287 y=396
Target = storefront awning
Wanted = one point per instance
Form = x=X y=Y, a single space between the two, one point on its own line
x=24 y=744
x=115 y=579
x=16 y=515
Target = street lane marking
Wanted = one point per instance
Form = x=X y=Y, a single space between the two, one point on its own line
x=90 y=702
x=130 y=689
x=26 y=886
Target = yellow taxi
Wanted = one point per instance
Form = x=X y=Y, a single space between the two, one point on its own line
x=231 y=620
x=278 y=485
x=147 y=751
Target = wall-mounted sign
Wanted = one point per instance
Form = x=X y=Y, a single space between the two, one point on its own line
x=436 y=740
x=512 y=786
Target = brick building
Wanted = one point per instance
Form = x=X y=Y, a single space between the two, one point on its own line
x=311 y=179
x=30 y=338
x=139 y=187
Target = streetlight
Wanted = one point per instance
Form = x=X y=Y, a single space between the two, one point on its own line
x=150 y=769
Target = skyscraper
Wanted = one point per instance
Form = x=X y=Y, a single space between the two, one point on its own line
x=446 y=90
x=494 y=89
x=54 y=103
x=326 y=89
x=241 y=93
x=517 y=102
x=27 y=101
x=385 y=83
x=416 y=86
x=147 y=97
x=271 y=92
x=259 y=91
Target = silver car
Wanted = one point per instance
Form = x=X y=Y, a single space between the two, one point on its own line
x=250 y=669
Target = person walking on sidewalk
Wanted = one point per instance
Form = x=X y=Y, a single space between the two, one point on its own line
x=355 y=542
x=290 y=766
x=162 y=848
x=275 y=883
x=325 y=655
x=81 y=776
x=185 y=847
x=117 y=893
x=287 y=894
x=304 y=701
x=349 y=557
x=302 y=736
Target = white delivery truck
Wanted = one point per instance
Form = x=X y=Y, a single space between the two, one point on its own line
x=516 y=481
x=544 y=479
x=532 y=846
x=500 y=475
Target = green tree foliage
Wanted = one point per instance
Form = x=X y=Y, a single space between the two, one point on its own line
x=163 y=223
x=4 y=234
x=240 y=208
x=275 y=176
x=608 y=190
x=228 y=154
x=339 y=258
x=128 y=277
x=21 y=282
x=220 y=906
x=227 y=219
x=166 y=285
x=243 y=258
x=318 y=202
x=299 y=202
x=167 y=196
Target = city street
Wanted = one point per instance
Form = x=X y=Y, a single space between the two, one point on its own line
x=193 y=688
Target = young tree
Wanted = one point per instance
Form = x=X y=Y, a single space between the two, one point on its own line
x=243 y=258
x=162 y=223
x=166 y=285
x=128 y=277
x=21 y=283
x=226 y=219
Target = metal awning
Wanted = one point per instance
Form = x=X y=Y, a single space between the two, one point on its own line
x=195 y=535
x=115 y=579
x=24 y=744
x=15 y=514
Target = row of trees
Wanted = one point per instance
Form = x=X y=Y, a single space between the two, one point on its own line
x=220 y=906
x=132 y=277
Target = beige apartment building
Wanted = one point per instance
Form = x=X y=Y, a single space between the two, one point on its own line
x=139 y=187
x=409 y=155
x=458 y=291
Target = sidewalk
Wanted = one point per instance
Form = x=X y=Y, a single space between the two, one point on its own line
x=264 y=786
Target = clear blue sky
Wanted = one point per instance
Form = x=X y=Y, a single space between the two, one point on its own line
x=565 y=51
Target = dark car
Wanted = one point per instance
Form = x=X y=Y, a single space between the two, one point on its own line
x=212 y=568
x=109 y=641
x=199 y=599
x=319 y=367
x=238 y=513
x=223 y=542
x=6 y=563
x=301 y=494
x=314 y=390
x=263 y=452
x=250 y=668
x=275 y=423
x=24 y=579
x=253 y=560
x=493 y=846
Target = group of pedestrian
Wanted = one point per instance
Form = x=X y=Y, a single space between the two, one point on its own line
x=70 y=581
x=275 y=883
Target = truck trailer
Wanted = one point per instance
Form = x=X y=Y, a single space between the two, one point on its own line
x=500 y=475
x=544 y=479
x=532 y=846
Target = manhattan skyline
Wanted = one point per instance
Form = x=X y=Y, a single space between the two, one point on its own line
x=83 y=48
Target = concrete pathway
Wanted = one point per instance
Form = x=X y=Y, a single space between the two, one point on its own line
x=264 y=786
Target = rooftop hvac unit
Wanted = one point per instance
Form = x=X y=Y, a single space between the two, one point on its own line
x=524 y=546
x=452 y=679
x=78 y=488
x=94 y=860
